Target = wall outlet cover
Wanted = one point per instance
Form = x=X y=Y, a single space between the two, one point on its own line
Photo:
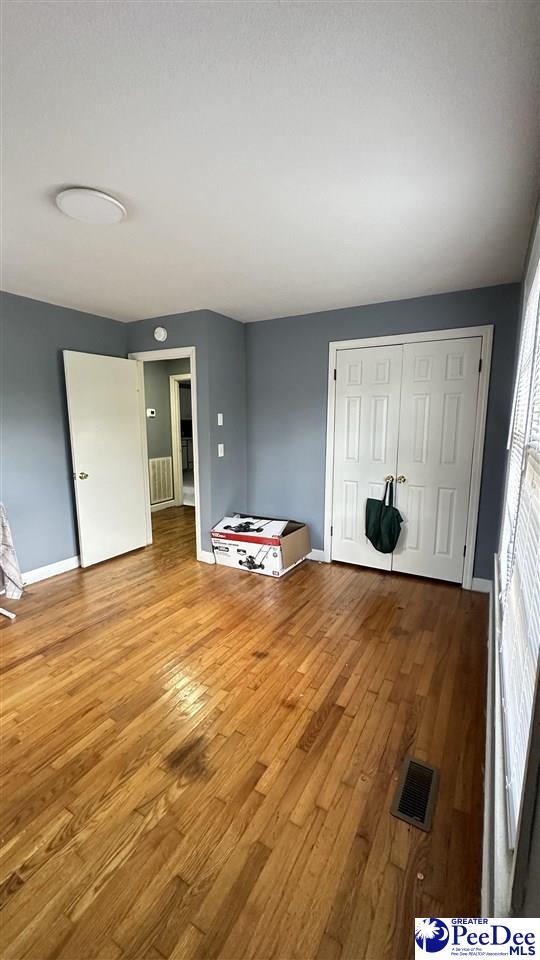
x=150 y=412
x=221 y=449
x=220 y=419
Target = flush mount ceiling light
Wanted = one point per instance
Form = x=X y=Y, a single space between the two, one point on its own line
x=92 y=206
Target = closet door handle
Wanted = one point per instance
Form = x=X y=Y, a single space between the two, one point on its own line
x=389 y=478
x=83 y=475
x=401 y=479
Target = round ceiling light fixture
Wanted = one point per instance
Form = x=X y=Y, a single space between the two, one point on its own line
x=92 y=206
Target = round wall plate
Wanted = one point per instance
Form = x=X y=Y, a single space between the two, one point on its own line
x=160 y=334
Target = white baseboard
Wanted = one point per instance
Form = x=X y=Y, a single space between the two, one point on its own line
x=480 y=585
x=206 y=556
x=318 y=555
x=154 y=507
x=51 y=570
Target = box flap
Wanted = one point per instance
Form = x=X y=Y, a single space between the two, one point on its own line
x=246 y=526
x=295 y=544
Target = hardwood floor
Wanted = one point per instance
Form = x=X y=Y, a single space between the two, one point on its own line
x=199 y=762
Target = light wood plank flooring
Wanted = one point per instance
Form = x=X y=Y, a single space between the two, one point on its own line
x=199 y=763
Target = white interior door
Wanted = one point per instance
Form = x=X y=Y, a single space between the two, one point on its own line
x=436 y=439
x=107 y=453
x=368 y=384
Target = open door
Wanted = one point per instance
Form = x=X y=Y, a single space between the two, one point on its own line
x=107 y=454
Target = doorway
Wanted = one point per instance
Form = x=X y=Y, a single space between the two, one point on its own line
x=182 y=438
x=411 y=409
x=165 y=489
x=161 y=383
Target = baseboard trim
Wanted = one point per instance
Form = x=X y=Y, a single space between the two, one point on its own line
x=206 y=556
x=481 y=585
x=154 y=507
x=318 y=555
x=50 y=570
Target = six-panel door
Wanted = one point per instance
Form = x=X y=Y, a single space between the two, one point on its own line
x=408 y=411
x=365 y=447
x=436 y=438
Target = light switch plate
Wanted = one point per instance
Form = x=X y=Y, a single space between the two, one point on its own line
x=221 y=449
x=220 y=419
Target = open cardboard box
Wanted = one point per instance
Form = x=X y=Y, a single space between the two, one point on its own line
x=260 y=544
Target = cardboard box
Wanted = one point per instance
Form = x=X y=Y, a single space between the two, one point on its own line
x=260 y=544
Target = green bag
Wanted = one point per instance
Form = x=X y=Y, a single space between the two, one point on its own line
x=383 y=521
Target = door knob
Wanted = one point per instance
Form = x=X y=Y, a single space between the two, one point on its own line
x=83 y=475
x=401 y=479
x=389 y=478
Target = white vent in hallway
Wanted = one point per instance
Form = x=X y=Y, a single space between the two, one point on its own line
x=161 y=479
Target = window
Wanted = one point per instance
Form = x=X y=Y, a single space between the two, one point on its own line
x=519 y=560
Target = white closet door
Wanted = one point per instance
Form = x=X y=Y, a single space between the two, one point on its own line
x=365 y=447
x=437 y=427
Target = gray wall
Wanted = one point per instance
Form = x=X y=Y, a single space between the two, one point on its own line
x=227 y=357
x=287 y=364
x=36 y=482
x=36 y=476
x=221 y=387
x=157 y=395
x=280 y=410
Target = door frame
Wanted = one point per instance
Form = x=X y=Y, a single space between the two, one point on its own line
x=458 y=333
x=174 y=353
x=176 y=420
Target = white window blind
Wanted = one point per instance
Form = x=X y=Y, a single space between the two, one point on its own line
x=519 y=561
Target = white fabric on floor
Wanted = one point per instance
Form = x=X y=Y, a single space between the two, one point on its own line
x=10 y=572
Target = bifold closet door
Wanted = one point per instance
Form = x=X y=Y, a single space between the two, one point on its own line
x=436 y=439
x=368 y=382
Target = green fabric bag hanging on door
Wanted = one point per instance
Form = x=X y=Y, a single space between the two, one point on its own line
x=383 y=521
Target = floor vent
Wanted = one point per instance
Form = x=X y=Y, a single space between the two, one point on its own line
x=416 y=793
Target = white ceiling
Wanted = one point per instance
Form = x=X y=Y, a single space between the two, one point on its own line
x=275 y=158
